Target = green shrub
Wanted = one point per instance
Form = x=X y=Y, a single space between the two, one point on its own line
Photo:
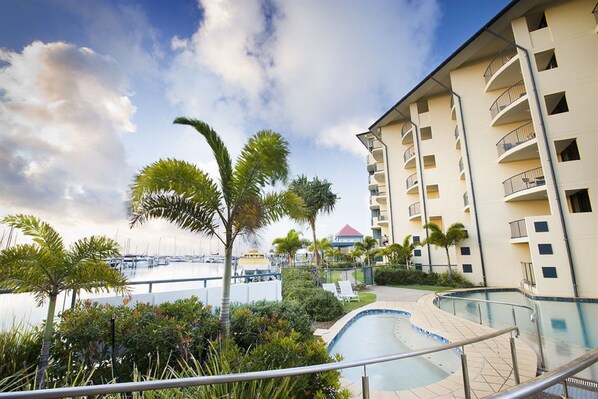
x=457 y=280
x=19 y=355
x=322 y=305
x=395 y=276
x=146 y=337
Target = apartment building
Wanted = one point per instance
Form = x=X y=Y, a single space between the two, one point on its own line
x=502 y=137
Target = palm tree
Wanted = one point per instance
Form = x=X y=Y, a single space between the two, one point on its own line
x=454 y=234
x=405 y=250
x=321 y=247
x=368 y=246
x=318 y=198
x=335 y=254
x=235 y=205
x=289 y=245
x=354 y=254
x=46 y=268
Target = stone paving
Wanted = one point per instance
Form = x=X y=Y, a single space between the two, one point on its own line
x=489 y=362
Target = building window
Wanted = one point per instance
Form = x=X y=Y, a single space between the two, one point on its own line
x=545 y=249
x=432 y=191
x=567 y=150
x=541 y=227
x=536 y=21
x=415 y=238
x=429 y=161
x=549 y=272
x=579 y=201
x=417 y=252
x=418 y=266
x=467 y=268
x=556 y=103
x=426 y=133
x=422 y=106
x=465 y=251
x=528 y=272
x=546 y=60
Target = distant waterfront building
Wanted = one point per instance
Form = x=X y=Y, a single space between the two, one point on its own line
x=502 y=137
x=346 y=238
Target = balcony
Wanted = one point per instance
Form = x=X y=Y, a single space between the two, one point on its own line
x=526 y=186
x=465 y=202
x=412 y=184
x=453 y=108
x=503 y=70
x=457 y=138
x=407 y=133
x=383 y=219
x=379 y=173
x=511 y=106
x=380 y=197
x=461 y=169
x=518 y=144
x=370 y=162
x=518 y=231
x=415 y=211
x=377 y=150
x=409 y=158
x=372 y=183
x=374 y=205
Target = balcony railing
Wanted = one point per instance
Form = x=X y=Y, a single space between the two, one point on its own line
x=452 y=102
x=465 y=199
x=411 y=181
x=512 y=94
x=518 y=228
x=406 y=129
x=518 y=136
x=499 y=60
x=528 y=272
x=529 y=179
x=410 y=153
x=461 y=165
x=414 y=209
x=456 y=132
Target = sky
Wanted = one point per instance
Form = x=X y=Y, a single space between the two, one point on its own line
x=89 y=90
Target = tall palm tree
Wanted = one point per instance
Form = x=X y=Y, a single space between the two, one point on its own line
x=321 y=247
x=234 y=205
x=289 y=245
x=405 y=250
x=335 y=254
x=453 y=235
x=46 y=268
x=318 y=198
x=368 y=246
x=354 y=254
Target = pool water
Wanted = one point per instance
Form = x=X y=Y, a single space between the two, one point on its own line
x=372 y=334
x=568 y=329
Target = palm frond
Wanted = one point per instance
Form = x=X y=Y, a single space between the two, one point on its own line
x=186 y=213
x=96 y=275
x=219 y=150
x=41 y=232
x=94 y=247
x=28 y=268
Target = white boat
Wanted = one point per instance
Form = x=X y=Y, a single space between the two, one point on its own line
x=254 y=260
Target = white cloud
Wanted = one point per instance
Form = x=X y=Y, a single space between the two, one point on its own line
x=311 y=67
x=62 y=112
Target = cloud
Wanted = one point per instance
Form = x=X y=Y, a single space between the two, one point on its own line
x=62 y=112
x=312 y=68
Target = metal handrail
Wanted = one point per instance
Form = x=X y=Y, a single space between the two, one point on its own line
x=409 y=153
x=503 y=56
x=522 y=181
x=465 y=199
x=104 y=389
x=407 y=127
x=415 y=209
x=516 y=137
x=456 y=133
x=447 y=295
x=461 y=167
x=518 y=228
x=508 y=97
x=549 y=379
x=411 y=181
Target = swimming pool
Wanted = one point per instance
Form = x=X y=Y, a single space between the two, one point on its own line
x=376 y=333
x=568 y=329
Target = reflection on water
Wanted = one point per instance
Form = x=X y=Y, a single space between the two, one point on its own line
x=22 y=309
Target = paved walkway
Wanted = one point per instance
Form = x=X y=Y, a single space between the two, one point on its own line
x=489 y=362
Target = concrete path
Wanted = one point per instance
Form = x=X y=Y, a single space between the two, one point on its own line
x=393 y=294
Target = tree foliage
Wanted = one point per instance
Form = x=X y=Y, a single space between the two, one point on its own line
x=453 y=235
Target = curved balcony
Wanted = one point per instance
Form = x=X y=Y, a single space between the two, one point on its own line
x=461 y=169
x=465 y=202
x=383 y=219
x=518 y=231
x=503 y=70
x=518 y=144
x=511 y=106
x=380 y=196
x=415 y=211
x=526 y=186
x=457 y=138
x=373 y=203
x=372 y=183
x=407 y=133
x=379 y=173
x=412 y=184
x=370 y=162
x=409 y=158
x=453 y=108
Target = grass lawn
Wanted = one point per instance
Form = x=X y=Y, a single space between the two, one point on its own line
x=364 y=299
x=338 y=275
x=423 y=287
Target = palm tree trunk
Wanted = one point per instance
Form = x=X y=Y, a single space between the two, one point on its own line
x=448 y=258
x=312 y=224
x=226 y=280
x=46 y=343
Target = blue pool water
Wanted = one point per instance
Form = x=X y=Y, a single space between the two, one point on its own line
x=568 y=329
x=376 y=333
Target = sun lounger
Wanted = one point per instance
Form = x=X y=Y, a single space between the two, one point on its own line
x=331 y=287
x=347 y=292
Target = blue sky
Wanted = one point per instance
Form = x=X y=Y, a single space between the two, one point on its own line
x=88 y=92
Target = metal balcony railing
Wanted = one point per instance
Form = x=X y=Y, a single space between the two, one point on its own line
x=410 y=153
x=518 y=136
x=523 y=181
x=456 y=132
x=512 y=94
x=518 y=228
x=461 y=165
x=528 y=271
x=414 y=209
x=411 y=181
x=406 y=129
x=499 y=60
x=465 y=199
x=452 y=102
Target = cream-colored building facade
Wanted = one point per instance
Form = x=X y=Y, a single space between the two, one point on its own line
x=502 y=137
